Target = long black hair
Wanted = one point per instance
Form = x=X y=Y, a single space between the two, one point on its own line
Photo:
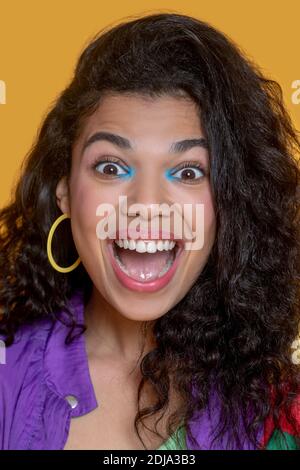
x=235 y=326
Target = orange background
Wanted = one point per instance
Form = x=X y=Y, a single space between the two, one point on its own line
x=41 y=41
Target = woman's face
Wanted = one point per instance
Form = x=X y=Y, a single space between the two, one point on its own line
x=143 y=168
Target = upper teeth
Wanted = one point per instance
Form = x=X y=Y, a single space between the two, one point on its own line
x=146 y=246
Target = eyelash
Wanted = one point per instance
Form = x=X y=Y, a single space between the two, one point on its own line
x=188 y=164
x=182 y=166
x=108 y=159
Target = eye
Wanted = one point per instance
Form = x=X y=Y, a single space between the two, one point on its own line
x=189 y=172
x=110 y=167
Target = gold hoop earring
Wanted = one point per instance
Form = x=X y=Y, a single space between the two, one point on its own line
x=49 y=250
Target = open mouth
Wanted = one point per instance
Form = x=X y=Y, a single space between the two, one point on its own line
x=145 y=261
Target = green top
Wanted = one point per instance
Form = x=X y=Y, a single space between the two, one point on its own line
x=177 y=441
x=278 y=441
x=281 y=440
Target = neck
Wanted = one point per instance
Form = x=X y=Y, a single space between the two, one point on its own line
x=111 y=334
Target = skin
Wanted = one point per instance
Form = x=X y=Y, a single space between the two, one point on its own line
x=114 y=313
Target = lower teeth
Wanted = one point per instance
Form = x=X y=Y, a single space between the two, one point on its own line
x=162 y=272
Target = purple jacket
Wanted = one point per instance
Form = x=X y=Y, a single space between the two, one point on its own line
x=44 y=383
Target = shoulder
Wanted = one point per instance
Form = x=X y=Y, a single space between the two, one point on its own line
x=21 y=378
x=25 y=351
x=36 y=371
x=33 y=339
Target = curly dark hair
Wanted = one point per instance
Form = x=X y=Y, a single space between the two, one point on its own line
x=234 y=328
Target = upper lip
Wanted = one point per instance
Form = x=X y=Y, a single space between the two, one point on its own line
x=156 y=236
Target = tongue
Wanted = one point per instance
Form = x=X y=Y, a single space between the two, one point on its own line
x=144 y=266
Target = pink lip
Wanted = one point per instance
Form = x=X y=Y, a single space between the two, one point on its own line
x=151 y=286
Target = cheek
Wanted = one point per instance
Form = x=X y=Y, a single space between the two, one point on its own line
x=209 y=217
x=86 y=195
x=202 y=218
x=84 y=201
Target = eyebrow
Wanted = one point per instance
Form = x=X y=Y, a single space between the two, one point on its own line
x=125 y=144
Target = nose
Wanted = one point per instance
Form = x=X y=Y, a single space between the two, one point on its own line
x=147 y=198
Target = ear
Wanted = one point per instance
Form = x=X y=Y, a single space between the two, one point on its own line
x=62 y=195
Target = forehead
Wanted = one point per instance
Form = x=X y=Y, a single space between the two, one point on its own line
x=141 y=117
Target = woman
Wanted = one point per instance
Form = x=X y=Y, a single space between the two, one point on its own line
x=120 y=343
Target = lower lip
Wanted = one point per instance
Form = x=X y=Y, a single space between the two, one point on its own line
x=135 y=285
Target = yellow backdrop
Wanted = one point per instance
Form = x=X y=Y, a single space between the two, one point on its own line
x=40 y=42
